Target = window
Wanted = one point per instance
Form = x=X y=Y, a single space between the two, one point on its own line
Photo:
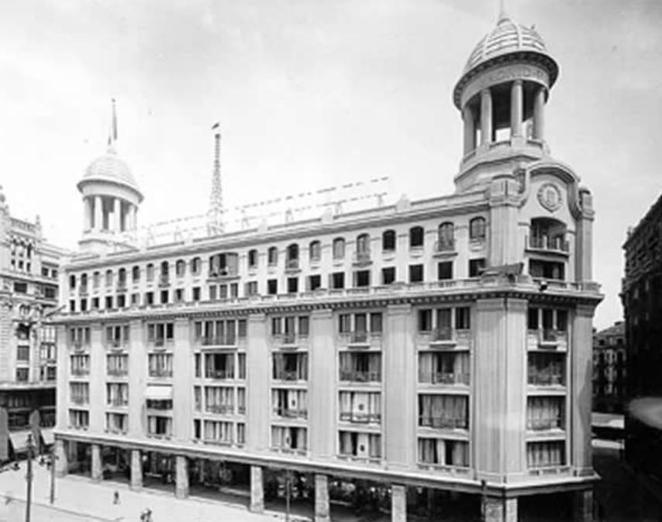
x=476 y=267
x=424 y=320
x=463 y=318
x=337 y=280
x=445 y=270
x=272 y=286
x=196 y=266
x=272 y=256
x=21 y=288
x=196 y=293
x=22 y=374
x=149 y=271
x=546 y=269
x=315 y=251
x=292 y=285
x=164 y=296
x=149 y=298
x=72 y=282
x=212 y=292
x=109 y=302
x=416 y=237
x=376 y=322
x=314 y=282
x=304 y=325
x=388 y=241
x=446 y=237
x=292 y=256
x=252 y=258
x=362 y=278
x=22 y=353
x=180 y=268
x=415 y=273
x=338 y=248
x=109 y=278
x=363 y=245
x=388 y=275
x=477 y=229
x=344 y=323
x=135 y=274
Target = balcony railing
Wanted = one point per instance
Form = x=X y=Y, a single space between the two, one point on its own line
x=292 y=264
x=359 y=337
x=545 y=379
x=223 y=273
x=121 y=286
x=160 y=372
x=362 y=257
x=80 y=399
x=79 y=345
x=289 y=376
x=360 y=418
x=291 y=413
x=117 y=344
x=551 y=244
x=442 y=334
x=118 y=372
x=448 y=378
x=288 y=339
x=220 y=408
x=360 y=376
x=446 y=246
x=219 y=340
x=219 y=374
x=164 y=280
x=118 y=401
x=80 y=371
x=161 y=342
x=428 y=421
x=551 y=423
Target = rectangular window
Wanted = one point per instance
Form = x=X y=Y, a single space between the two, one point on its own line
x=292 y=285
x=476 y=267
x=338 y=280
x=344 y=323
x=314 y=282
x=445 y=270
x=21 y=288
x=362 y=278
x=23 y=353
x=376 y=322
x=532 y=319
x=415 y=273
x=251 y=288
x=22 y=374
x=424 y=320
x=164 y=296
x=463 y=318
x=388 y=275
x=303 y=326
x=272 y=286
x=196 y=293
x=212 y=292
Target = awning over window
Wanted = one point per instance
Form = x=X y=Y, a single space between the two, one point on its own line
x=19 y=440
x=158 y=393
x=48 y=436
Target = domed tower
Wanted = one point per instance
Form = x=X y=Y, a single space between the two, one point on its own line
x=111 y=199
x=502 y=95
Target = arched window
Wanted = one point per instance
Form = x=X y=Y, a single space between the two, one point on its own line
x=477 y=229
x=72 y=281
x=180 y=268
x=416 y=235
x=292 y=256
x=109 y=277
x=252 y=258
x=164 y=268
x=121 y=276
x=196 y=265
x=96 y=278
x=149 y=272
x=446 y=237
x=83 y=281
x=135 y=274
x=363 y=244
x=338 y=248
x=315 y=250
x=548 y=234
x=388 y=241
x=272 y=256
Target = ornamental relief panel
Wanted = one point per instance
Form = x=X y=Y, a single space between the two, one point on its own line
x=504 y=74
x=550 y=196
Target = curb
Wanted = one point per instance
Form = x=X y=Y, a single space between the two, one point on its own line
x=60 y=509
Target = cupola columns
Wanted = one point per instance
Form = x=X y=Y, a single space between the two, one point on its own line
x=485 y=117
x=539 y=114
x=516 y=108
x=98 y=214
x=469 y=129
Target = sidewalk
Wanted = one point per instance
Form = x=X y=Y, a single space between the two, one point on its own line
x=83 y=499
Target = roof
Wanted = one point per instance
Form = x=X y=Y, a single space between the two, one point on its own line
x=618 y=328
x=110 y=167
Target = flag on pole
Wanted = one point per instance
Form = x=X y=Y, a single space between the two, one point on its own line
x=4 y=435
x=36 y=430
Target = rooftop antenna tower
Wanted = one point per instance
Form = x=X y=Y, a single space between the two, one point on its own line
x=215 y=213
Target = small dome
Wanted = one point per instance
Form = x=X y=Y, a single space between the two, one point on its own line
x=507 y=37
x=110 y=167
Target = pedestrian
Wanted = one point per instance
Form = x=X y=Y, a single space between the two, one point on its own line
x=116 y=497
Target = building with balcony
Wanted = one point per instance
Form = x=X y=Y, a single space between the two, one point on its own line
x=609 y=369
x=642 y=306
x=29 y=268
x=426 y=346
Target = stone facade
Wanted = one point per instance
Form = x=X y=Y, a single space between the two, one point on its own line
x=609 y=369
x=443 y=343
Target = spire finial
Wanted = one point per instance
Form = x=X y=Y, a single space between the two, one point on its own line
x=503 y=15
x=215 y=214
x=112 y=135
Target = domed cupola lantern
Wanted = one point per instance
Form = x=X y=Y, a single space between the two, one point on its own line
x=111 y=198
x=502 y=95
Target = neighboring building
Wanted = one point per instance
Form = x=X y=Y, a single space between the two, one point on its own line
x=28 y=347
x=642 y=304
x=433 y=345
x=609 y=359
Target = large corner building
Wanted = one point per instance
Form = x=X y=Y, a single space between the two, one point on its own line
x=434 y=345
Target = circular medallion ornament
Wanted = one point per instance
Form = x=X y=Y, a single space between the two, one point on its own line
x=549 y=196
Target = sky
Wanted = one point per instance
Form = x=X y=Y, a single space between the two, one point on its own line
x=310 y=94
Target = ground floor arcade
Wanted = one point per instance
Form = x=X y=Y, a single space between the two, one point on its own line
x=313 y=495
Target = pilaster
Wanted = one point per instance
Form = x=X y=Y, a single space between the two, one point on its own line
x=182 y=363
x=181 y=476
x=258 y=379
x=398 y=503
x=257 y=490
x=97 y=380
x=322 y=513
x=485 y=117
x=61 y=460
x=97 y=471
x=583 y=506
x=136 y=470
x=137 y=377
x=499 y=509
x=62 y=371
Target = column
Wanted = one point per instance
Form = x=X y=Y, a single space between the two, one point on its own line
x=257 y=490
x=583 y=506
x=469 y=129
x=539 y=114
x=181 y=476
x=98 y=214
x=485 y=117
x=97 y=473
x=136 y=469
x=398 y=503
x=322 y=498
x=516 y=109
x=499 y=509
x=117 y=214
x=323 y=361
x=61 y=460
x=87 y=211
x=132 y=217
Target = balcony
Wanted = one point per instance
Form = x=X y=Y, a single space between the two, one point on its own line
x=360 y=376
x=449 y=378
x=161 y=342
x=552 y=423
x=121 y=286
x=291 y=413
x=117 y=344
x=223 y=274
x=219 y=374
x=360 y=418
x=223 y=409
x=289 y=376
x=359 y=338
x=362 y=258
x=80 y=345
x=118 y=372
x=425 y=421
x=444 y=248
x=553 y=245
x=441 y=335
x=160 y=372
x=229 y=340
x=83 y=290
x=548 y=338
x=80 y=399
x=543 y=378
x=292 y=265
x=164 y=281
x=79 y=372
x=118 y=402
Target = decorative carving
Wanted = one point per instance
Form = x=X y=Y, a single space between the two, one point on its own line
x=549 y=196
x=503 y=74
